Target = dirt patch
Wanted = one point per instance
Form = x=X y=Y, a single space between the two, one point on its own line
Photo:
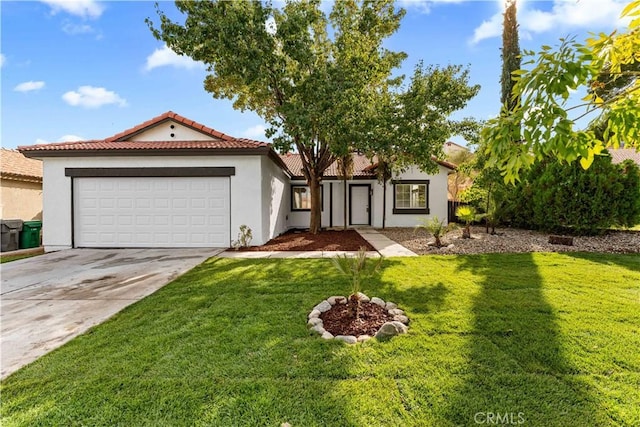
x=340 y=321
x=328 y=240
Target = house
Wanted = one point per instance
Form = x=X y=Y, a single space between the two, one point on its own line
x=172 y=182
x=20 y=186
x=450 y=148
x=619 y=155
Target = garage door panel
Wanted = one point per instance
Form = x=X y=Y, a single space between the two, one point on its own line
x=151 y=212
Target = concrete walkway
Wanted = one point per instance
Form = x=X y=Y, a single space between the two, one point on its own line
x=382 y=244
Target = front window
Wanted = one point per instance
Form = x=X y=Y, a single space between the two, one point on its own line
x=301 y=197
x=411 y=197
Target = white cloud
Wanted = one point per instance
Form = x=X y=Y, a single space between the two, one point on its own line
x=29 y=86
x=488 y=29
x=424 y=6
x=3 y=60
x=563 y=15
x=255 y=132
x=93 y=97
x=74 y=29
x=81 y=8
x=70 y=138
x=63 y=138
x=165 y=57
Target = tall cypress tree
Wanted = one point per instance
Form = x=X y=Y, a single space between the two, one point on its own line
x=510 y=54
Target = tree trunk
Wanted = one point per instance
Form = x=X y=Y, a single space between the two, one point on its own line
x=316 y=205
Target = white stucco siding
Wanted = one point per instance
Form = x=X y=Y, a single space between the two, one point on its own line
x=246 y=192
x=163 y=132
x=275 y=197
x=437 y=199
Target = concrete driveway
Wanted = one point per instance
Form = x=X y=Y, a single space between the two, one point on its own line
x=49 y=299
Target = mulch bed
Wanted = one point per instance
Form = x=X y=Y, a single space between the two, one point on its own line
x=339 y=321
x=326 y=240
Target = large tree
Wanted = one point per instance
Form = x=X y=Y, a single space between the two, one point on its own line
x=510 y=55
x=547 y=122
x=313 y=78
x=282 y=64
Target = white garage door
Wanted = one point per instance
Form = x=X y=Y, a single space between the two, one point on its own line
x=151 y=212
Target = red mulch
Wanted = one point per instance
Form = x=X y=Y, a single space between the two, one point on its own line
x=327 y=240
x=339 y=320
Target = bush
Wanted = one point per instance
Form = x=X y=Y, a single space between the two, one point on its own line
x=560 y=197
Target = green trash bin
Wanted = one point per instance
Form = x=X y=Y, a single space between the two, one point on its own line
x=30 y=235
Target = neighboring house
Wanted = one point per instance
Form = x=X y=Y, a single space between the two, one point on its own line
x=621 y=154
x=451 y=148
x=20 y=186
x=172 y=182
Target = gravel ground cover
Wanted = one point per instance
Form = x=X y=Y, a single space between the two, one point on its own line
x=512 y=240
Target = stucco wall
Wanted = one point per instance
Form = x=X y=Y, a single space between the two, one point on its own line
x=437 y=199
x=162 y=132
x=275 y=198
x=20 y=200
x=246 y=191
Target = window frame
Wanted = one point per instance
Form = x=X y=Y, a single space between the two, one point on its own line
x=294 y=209
x=411 y=210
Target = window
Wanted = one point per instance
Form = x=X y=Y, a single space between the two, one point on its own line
x=411 y=197
x=301 y=198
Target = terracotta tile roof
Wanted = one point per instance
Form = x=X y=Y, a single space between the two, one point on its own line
x=622 y=154
x=120 y=140
x=13 y=165
x=169 y=115
x=362 y=166
x=144 y=145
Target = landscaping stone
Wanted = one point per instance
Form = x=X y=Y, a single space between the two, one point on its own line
x=561 y=240
x=390 y=306
x=363 y=338
x=337 y=300
x=386 y=331
x=395 y=312
x=323 y=306
x=314 y=321
x=319 y=329
x=349 y=339
x=362 y=297
x=390 y=330
x=401 y=318
x=378 y=301
x=327 y=335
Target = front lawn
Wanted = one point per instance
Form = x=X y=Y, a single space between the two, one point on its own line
x=549 y=339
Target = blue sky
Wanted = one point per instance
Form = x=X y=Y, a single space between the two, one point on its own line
x=88 y=69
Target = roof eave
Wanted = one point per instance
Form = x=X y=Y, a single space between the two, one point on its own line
x=36 y=154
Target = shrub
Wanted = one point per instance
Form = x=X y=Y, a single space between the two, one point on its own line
x=435 y=227
x=560 y=197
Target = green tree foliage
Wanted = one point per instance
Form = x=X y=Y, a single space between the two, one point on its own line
x=321 y=95
x=545 y=123
x=282 y=64
x=561 y=197
x=510 y=56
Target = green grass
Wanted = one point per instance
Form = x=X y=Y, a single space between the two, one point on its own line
x=9 y=258
x=553 y=338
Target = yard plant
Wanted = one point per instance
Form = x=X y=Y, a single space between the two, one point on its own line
x=226 y=345
x=435 y=227
x=357 y=268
